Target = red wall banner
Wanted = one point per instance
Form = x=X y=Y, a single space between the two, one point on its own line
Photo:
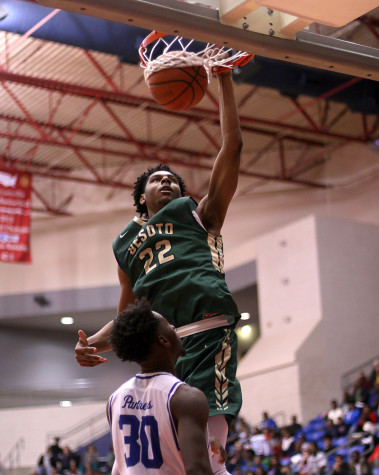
x=15 y=209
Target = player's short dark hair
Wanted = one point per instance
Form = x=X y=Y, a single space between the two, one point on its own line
x=140 y=184
x=134 y=331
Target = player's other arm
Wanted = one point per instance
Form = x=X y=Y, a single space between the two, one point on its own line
x=190 y=409
x=224 y=177
x=87 y=348
x=126 y=296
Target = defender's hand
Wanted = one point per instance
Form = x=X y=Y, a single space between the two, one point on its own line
x=85 y=354
x=218 y=449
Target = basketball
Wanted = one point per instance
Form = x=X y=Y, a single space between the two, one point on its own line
x=178 y=88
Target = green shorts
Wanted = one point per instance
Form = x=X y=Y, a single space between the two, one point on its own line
x=210 y=364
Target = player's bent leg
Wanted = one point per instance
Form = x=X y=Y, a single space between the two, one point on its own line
x=218 y=427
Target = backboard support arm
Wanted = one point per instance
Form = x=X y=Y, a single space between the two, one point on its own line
x=202 y=24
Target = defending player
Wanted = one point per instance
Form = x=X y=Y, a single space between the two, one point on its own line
x=158 y=423
x=173 y=256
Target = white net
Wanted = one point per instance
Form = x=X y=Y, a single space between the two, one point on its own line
x=213 y=58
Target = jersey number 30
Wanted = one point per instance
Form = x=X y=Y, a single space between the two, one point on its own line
x=143 y=441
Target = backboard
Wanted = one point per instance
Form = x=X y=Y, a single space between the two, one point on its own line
x=201 y=21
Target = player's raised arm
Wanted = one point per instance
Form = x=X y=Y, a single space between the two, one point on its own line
x=189 y=407
x=224 y=177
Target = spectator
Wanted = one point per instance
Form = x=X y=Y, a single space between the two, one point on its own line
x=74 y=468
x=334 y=412
x=257 y=441
x=374 y=376
x=365 y=434
x=340 y=467
x=328 y=447
x=260 y=471
x=352 y=415
x=346 y=398
x=110 y=458
x=64 y=462
x=294 y=427
x=90 y=460
x=249 y=459
x=341 y=428
x=270 y=441
x=361 y=390
x=328 y=444
x=56 y=451
x=299 y=459
x=242 y=425
x=244 y=432
x=267 y=422
x=233 y=435
x=374 y=397
x=288 y=443
x=367 y=415
x=316 y=462
x=235 y=456
x=331 y=430
x=374 y=458
x=276 y=445
x=258 y=465
x=275 y=466
x=358 y=464
x=45 y=463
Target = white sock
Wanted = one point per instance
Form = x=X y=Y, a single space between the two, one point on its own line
x=218 y=427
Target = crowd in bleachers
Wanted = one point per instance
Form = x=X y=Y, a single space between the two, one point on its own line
x=344 y=440
x=341 y=441
x=59 y=460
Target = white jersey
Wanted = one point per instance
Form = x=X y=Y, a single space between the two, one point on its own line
x=143 y=432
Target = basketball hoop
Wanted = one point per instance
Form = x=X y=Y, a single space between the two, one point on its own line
x=213 y=58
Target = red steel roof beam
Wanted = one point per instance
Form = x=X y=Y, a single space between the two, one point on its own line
x=197 y=114
x=325 y=95
x=282 y=159
x=263 y=150
x=49 y=208
x=107 y=78
x=174 y=162
x=318 y=158
x=89 y=133
x=124 y=128
x=305 y=114
x=25 y=111
x=78 y=147
x=81 y=157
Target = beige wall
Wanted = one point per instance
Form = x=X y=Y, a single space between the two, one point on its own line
x=318 y=299
x=290 y=308
x=33 y=425
x=76 y=252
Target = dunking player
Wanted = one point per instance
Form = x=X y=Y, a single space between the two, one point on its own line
x=173 y=256
x=158 y=423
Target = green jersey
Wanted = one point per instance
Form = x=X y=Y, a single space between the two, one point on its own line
x=176 y=264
